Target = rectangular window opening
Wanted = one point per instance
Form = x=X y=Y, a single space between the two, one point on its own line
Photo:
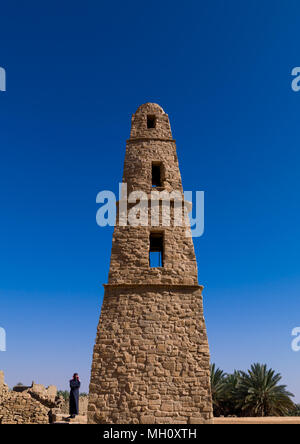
x=156 y=174
x=151 y=121
x=156 y=252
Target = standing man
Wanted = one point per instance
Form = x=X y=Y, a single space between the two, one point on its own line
x=74 y=395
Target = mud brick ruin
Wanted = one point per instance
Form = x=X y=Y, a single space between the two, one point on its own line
x=36 y=404
x=151 y=357
x=27 y=405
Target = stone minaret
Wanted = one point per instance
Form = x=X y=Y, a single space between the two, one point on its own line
x=151 y=357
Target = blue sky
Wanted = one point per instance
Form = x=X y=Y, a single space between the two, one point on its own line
x=76 y=71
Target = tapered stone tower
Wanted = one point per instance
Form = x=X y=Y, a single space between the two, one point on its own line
x=151 y=357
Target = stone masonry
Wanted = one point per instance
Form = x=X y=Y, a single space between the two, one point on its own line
x=21 y=407
x=151 y=356
x=35 y=404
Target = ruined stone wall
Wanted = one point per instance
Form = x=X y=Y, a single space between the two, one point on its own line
x=151 y=363
x=46 y=396
x=27 y=405
x=21 y=408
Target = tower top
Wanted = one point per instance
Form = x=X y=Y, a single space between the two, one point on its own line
x=150 y=122
x=150 y=107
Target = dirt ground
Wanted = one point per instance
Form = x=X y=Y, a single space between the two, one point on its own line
x=267 y=420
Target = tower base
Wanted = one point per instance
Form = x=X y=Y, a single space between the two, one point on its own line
x=151 y=357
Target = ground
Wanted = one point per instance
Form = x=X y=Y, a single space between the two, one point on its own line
x=268 y=420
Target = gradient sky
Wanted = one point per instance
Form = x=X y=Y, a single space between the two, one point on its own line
x=76 y=71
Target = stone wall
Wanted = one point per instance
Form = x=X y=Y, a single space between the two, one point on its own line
x=21 y=408
x=31 y=405
x=151 y=361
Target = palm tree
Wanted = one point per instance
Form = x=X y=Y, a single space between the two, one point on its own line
x=258 y=393
x=295 y=411
x=217 y=383
x=229 y=403
x=64 y=393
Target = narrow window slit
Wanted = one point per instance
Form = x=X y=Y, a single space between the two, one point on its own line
x=156 y=252
x=151 y=121
x=156 y=174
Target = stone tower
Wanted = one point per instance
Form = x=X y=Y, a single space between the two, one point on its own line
x=151 y=357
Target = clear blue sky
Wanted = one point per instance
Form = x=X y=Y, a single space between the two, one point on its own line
x=76 y=71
